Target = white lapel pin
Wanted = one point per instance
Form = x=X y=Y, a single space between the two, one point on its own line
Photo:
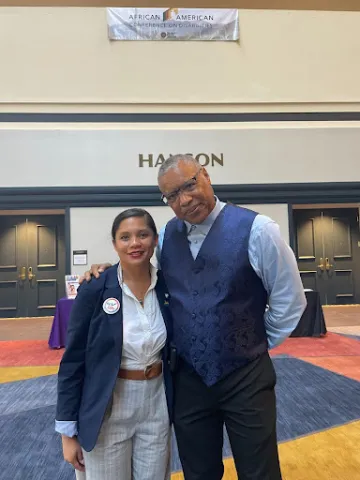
x=111 y=305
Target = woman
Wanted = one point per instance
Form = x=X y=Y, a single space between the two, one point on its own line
x=113 y=410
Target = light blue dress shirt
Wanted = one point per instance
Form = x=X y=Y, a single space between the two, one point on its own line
x=273 y=261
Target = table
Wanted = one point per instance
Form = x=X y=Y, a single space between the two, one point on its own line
x=57 y=337
x=312 y=322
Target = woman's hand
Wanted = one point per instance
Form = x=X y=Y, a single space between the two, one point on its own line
x=73 y=453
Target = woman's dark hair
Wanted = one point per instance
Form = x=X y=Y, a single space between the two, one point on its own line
x=133 y=212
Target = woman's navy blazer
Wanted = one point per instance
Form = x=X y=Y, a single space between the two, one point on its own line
x=91 y=362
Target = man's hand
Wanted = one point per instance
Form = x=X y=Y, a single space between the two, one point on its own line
x=95 y=271
x=73 y=453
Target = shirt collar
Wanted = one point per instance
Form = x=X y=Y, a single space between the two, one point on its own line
x=153 y=273
x=210 y=219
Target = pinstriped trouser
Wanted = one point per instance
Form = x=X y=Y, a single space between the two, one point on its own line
x=134 y=440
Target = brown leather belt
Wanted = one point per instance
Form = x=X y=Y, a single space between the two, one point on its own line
x=151 y=371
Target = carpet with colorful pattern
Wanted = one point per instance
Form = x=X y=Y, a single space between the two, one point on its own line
x=318 y=393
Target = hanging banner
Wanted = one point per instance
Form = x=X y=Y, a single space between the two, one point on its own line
x=173 y=24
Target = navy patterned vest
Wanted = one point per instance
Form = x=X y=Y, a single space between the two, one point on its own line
x=217 y=300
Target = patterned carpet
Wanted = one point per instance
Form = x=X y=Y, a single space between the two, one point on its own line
x=318 y=394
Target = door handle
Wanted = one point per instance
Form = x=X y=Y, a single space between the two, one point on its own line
x=22 y=275
x=321 y=265
x=328 y=265
x=31 y=275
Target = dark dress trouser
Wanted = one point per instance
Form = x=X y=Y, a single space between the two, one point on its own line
x=245 y=402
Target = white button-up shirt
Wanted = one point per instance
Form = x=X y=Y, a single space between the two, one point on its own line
x=144 y=331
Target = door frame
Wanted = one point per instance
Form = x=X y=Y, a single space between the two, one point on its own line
x=24 y=209
x=313 y=206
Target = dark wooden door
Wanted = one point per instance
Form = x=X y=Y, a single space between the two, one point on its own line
x=310 y=250
x=341 y=253
x=327 y=249
x=13 y=258
x=46 y=263
x=32 y=265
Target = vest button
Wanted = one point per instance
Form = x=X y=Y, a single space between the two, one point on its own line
x=196 y=292
x=193 y=315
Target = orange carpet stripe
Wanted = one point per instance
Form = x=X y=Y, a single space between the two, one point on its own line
x=21 y=353
x=346 y=366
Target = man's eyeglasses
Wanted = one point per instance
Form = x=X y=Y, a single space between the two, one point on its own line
x=187 y=187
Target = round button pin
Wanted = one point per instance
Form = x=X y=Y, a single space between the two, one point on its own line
x=111 y=305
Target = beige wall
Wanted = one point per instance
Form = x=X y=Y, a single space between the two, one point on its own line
x=278 y=212
x=90 y=229
x=285 y=59
x=108 y=155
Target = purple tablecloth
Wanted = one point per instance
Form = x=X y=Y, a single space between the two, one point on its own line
x=57 y=337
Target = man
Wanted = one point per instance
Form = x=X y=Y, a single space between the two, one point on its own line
x=235 y=291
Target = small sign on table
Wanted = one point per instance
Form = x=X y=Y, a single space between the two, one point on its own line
x=72 y=285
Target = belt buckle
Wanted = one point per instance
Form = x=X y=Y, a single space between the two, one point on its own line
x=147 y=371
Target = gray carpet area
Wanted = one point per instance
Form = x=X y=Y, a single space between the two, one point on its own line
x=27 y=394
